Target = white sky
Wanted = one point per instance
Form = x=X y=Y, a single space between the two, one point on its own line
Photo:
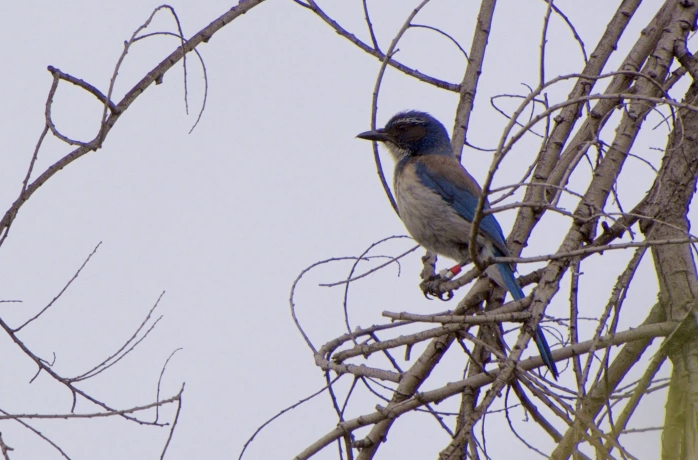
x=225 y=218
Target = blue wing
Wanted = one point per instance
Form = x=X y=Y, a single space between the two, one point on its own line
x=444 y=175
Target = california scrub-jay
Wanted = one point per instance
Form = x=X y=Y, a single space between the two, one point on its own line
x=436 y=200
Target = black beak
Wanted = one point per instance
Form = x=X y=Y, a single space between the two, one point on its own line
x=379 y=135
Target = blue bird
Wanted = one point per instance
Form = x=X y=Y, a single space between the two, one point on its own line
x=437 y=198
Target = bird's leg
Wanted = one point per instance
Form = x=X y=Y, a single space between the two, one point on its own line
x=449 y=273
x=432 y=286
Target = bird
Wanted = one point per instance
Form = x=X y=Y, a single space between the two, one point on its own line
x=437 y=199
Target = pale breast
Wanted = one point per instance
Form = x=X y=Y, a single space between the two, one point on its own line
x=429 y=219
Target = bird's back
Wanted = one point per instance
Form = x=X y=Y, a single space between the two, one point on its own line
x=437 y=199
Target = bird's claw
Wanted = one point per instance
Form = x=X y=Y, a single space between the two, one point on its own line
x=432 y=286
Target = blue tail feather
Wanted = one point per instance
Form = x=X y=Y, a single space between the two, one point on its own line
x=516 y=292
x=545 y=352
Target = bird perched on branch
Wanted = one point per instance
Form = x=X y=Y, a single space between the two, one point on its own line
x=437 y=200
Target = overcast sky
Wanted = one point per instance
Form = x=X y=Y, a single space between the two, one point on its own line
x=224 y=219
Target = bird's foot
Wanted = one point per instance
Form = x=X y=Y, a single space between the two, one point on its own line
x=432 y=287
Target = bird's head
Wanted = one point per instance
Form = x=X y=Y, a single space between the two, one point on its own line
x=412 y=133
